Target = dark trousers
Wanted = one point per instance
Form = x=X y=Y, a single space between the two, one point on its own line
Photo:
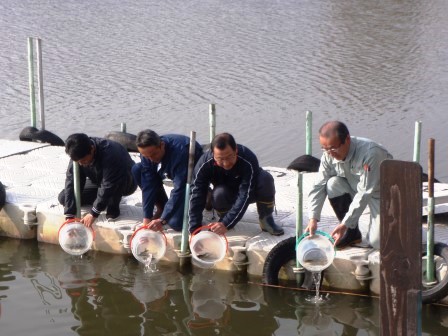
x=223 y=197
x=176 y=220
x=89 y=190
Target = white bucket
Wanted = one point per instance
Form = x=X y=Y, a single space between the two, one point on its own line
x=315 y=253
x=148 y=246
x=75 y=238
x=207 y=248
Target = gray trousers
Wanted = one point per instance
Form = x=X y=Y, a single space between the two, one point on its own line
x=338 y=186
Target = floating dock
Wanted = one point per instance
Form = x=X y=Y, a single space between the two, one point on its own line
x=34 y=173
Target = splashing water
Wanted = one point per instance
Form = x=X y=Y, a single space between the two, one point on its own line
x=317 y=298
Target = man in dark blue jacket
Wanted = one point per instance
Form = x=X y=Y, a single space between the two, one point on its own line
x=237 y=181
x=163 y=156
x=108 y=165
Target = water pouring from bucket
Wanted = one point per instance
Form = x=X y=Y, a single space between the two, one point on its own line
x=207 y=248
x=148 y=247
x=75 y=238
x=315 y=253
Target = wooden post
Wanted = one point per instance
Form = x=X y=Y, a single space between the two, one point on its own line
x=430 y=276
x=401 y=248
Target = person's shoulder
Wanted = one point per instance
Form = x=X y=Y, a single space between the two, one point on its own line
x=369 y=144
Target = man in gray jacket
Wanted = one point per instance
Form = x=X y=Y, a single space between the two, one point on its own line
x=349 y=174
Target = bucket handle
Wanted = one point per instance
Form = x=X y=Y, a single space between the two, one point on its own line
x=146 y=227
x=317 y=232
x=73 y=220
x=208 y=227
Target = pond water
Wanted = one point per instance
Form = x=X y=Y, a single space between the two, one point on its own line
x=377 y=65
x=44 y=291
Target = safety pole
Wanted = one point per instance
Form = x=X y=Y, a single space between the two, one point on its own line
x=417 y=140
x=123 y=127
x=184 y=243
x=40 y=81
x=430 y=279
x=77 y=186
x=31 y=82
x=308 y=150
x=212 y=120
x=309 y=123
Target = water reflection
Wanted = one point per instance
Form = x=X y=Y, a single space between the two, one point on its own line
x=102 y=293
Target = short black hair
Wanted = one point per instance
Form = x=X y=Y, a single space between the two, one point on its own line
x=147 y=138
x=77 y=146
x=223 y=140
x=330 y=128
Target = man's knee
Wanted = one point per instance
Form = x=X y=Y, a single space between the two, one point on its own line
x=137 y=173
x=223 y=198
x=338 y=186
x=265 y=190
x=61 y=197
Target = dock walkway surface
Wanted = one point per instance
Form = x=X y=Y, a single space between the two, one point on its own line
x=34 y=173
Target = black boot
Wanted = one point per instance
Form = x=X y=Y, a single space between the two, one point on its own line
x=220 y=214
x=340 y=206
x=267 y=223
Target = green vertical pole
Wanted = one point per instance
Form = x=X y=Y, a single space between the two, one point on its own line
x=430 y=234
x=31 y=81
x=77 y=185
x=417 y=140
x=309 y=122
x=299 y=212
x=212 y=120
x=184 y=243
x=40 y=82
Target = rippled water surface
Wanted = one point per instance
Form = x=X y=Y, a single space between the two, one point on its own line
x=44 y=291
x=377 y=65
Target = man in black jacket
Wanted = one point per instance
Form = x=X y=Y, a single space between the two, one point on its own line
x=237 y=181
x=108 y=166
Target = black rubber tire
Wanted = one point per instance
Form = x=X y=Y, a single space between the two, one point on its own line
x=281 y=254
x=126 y=139
x=2 y=196
x=32 y=134
x=440 y=290
x=305 y=163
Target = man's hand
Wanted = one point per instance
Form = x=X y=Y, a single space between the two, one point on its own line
x=312 y=226
x=218 y=228
x=88 y=220
x=338 y=233
x=155 y=225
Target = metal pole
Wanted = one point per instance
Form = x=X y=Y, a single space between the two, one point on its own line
x=31 y=82
x=430 y=234
x=123 y=127
x=77 y=185
x=184 y=243
x=212 y=120
x=308 y=150
x=40 y=78
x=309 y=122
x=417 y=141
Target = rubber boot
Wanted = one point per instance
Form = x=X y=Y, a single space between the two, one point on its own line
x=267 y=223
x=221 y=215
x=208 y=202
x=159 y=210
x=340 y=206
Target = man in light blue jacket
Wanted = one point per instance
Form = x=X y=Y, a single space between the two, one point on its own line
x=349 y=174
x=163 y=156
